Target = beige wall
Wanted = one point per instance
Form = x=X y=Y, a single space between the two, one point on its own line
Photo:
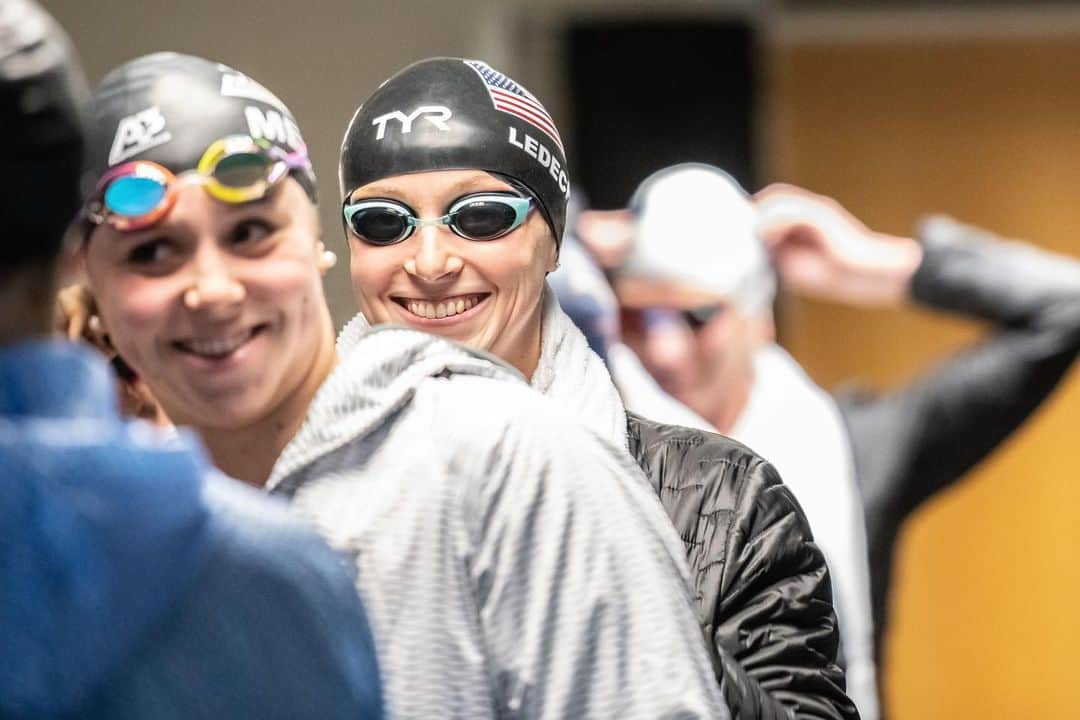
x=984 y=620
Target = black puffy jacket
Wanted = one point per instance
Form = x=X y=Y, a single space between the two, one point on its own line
x=760 y=584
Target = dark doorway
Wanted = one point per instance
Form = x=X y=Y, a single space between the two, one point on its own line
x=645 y=95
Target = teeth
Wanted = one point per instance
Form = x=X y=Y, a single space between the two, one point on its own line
x=216 y=346
x=444 y=309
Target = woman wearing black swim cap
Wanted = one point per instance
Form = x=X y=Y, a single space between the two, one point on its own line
x=202 y=251
x=454 y=187
x=441 y=476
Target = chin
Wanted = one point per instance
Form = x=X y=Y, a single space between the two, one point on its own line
x=235 y=413
x=688 y=397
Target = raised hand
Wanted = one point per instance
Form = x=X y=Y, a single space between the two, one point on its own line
x=820 y=249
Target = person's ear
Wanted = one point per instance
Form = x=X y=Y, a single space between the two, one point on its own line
x=325 y=259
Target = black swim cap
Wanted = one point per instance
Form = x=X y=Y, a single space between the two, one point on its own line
x=42 y=91
x=169 y=108
x=455 y=114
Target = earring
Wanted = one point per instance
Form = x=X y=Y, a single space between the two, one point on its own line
x=327 y=260
x=98 y=336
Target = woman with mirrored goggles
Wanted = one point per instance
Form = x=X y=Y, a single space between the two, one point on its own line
x=218 y=307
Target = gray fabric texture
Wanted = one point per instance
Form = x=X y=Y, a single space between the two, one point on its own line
x=514 y=565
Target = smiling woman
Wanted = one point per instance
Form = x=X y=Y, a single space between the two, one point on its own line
x=202 y=252
x=434 y=247
x=476 y=290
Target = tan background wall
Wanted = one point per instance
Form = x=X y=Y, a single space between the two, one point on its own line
x=985 y=621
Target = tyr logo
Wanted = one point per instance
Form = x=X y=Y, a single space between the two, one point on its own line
x=437 y=115
x=136 y=133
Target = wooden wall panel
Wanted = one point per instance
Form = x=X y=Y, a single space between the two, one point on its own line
x=985 y=622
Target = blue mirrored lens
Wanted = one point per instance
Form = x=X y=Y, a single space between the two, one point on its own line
x=133 y=196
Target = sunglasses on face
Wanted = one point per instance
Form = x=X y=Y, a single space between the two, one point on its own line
x=235 y=169
x=477 y=216
x=699 y=317
x=695 y=319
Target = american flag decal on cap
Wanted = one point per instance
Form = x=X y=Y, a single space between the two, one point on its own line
x=509 y=97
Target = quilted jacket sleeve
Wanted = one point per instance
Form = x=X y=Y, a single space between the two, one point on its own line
x=760 y=584
x=774 y=626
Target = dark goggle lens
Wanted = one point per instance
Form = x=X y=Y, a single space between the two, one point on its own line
x=701 y=316
x=242 y=170
x=380 y=226
x=133 y=196
x=484 y=219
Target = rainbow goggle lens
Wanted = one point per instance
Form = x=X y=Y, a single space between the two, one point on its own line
x=235 y=169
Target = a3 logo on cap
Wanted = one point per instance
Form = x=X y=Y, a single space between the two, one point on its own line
x=437 y=115
x=137 y=133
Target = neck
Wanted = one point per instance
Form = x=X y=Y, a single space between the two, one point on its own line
x=724 y=415
x=529 y=357
x=527 y=362
x=249 y=453
x=724 y=406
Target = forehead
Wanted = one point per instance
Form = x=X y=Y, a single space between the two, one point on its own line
x=435 y=184
x=641 y=293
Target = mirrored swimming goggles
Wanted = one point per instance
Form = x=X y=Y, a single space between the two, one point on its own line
x=235 y=169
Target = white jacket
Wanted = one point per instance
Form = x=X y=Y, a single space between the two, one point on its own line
x=513 y=563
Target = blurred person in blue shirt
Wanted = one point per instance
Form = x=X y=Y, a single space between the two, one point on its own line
x=135 y=581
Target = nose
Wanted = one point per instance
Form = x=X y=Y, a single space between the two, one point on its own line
x=434 y=257
x=214 y=284
x=669 y=347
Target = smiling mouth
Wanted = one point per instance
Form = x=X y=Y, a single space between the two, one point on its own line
x=218 y=348
x=440 y=309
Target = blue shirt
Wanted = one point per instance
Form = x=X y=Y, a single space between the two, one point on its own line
x=136 y=582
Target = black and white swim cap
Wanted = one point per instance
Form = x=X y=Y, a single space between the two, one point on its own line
x=169 y=108
x=456 y=114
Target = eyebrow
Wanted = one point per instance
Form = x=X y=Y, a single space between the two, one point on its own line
x=230 y=209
